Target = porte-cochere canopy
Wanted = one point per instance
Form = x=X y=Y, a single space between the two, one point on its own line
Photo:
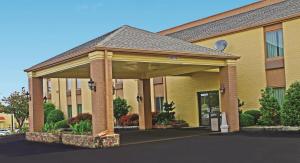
x=131 y=53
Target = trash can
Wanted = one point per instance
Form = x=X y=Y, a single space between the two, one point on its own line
x=215 y=121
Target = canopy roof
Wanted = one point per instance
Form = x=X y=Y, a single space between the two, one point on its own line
x=131 y=39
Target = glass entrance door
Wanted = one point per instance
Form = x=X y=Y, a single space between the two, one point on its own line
x=208 y=104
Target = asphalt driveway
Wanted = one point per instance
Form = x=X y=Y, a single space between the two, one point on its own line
x=201 y=147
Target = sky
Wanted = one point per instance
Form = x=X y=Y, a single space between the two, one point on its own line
x=32 y=31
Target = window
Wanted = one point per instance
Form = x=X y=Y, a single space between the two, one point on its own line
x=79 y=109
x=279 y=94
x=49 y=86
x=78 y=84
x=70 y=111
x=159 y=103
x=69 y=84
x=274 y=43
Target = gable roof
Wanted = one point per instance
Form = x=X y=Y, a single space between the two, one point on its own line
x=127 y=37
x=262 y=16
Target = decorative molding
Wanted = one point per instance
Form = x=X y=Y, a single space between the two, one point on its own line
x=231 y=62
x=96 y=55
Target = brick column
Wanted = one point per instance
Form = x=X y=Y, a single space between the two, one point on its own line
x=229 y=98
x=102 y=98
x=145 y=114
x=36 y=111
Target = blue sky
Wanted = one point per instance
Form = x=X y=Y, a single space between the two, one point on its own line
x=34 y=30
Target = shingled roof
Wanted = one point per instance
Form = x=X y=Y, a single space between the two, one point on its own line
x=127 y=37
x=257 y=17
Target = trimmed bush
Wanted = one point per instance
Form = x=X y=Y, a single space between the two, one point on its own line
x=154 y=118
x=290 y=113
x=79 y=118
x=49 y=127
x=247 y=120
x=166 y=117
x=270 y=109
x=255 y=113
x=55 y=116
x=61 y=124
x=83 y=127
x=48 y=107
x=130 y=120
x=121 y=108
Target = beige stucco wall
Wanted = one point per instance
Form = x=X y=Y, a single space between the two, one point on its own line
x=251 y=74
x=183 y=92
x=86 y=94
x=292 y=50
x=130 y=93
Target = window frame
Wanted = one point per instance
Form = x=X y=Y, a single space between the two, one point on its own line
x=161 y=101
x=70 y=111
x=79 y=109
x=273 y=28
x=49 y=86
x=78 y=84
x=69 y=84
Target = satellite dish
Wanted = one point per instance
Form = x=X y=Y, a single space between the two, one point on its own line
x=221 y=45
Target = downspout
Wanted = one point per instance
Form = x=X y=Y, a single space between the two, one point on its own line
x=59 y=94
x=166 y=90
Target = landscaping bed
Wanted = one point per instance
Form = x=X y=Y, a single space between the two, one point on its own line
x=43 y=137
x=89 y=141
x=271 y=129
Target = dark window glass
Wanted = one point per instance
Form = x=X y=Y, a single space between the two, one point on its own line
x=79 y=108
x=159 y=103
x=70 y=111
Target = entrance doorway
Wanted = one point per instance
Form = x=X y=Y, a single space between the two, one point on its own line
x=209 y=105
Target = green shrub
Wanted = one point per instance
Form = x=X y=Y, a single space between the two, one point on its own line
x=23 y=130
x=49 y=127
x=48 y=107
x=255 y=113
x=154 y=117
x=61 y=124
x=82 y=127
x=129 y=120
x=247 y=120
x=168 y=115
x=270 y=109
x=80 y=117
x=290 y=113
x=121 y=108
x=55 y=116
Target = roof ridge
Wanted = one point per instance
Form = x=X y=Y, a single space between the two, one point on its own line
x=107 y=38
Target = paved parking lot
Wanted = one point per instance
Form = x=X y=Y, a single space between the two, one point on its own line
x=189 y=148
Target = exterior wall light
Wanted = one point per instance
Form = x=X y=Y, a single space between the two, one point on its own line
x=114 y=90
x=45 y=99
x=139 y=98
x=92 y=85
x=28 y=96
x=222 y=89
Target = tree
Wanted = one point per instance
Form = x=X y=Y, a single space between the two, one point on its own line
x=1 y=108
x=121 y=108
x=17 y=104
x=290 y=113
x=270 y=109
